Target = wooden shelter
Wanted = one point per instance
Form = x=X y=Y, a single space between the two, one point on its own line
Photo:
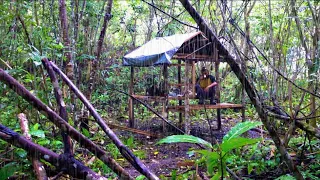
x=188 y=50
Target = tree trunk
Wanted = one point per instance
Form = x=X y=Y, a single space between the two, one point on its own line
x=309 y=62
x=251 y=91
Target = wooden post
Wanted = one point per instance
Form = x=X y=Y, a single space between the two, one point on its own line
x=166 y=90
x=131 y=110
x=216 y=69
x=186 y=98
x=165 y=79
x=180 y=90
x=193 y=78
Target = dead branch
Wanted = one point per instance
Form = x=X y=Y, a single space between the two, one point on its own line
x=37 y=165
x=308 y=128
x=60 y=123
x=251 y=91
x=64 y=163
x=126 y=152
x=62 y=106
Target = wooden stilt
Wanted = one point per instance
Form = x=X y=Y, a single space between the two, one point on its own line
x=131 y=110
x=186 y=100
x=193 y=79
x=216 y=69
x=180 y=90
x=166 y=91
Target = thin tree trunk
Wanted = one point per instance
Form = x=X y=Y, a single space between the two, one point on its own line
x=37 y=165
x=273 y=55
x=251 y=91
x=62 y=107
x=68 y=64
x=308 y=60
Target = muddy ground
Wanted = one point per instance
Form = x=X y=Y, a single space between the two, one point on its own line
x=166 y=158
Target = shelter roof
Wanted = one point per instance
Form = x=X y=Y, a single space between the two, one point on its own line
x=161 y=50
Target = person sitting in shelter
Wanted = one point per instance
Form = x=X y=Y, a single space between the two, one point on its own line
x=205 y=87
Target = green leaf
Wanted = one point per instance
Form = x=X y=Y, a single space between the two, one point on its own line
x=184 y=139
x=251 y=166
x=85 y=132
x=57 y=143
x=21 y=152
x=240 y=128
x=35 y=126
x=37 y=133
x=44 y=142
x=212 y=161
x=7 y=170
x=141 y=177
x=286 y=177
x=234 y=143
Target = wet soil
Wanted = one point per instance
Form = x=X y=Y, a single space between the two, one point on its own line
x=165 y=158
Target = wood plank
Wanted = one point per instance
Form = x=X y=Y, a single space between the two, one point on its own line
x=207 y=106
x=160 y=98
x=179 y=65
x=149 y=98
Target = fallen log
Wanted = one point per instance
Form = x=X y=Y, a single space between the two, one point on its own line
x=64 y=163
x=62 y=124
x=126 y=152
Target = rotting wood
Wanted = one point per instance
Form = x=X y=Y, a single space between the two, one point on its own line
x=251 y=91
x=68 y=164
x=60 y=123
x=125 y=151
x=37 y=165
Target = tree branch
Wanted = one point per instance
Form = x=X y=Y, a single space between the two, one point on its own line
x=67 y=164
x=60 y=123
x=126 y=152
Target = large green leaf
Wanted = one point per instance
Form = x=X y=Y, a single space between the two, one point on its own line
x=7 y=170
x=184 y=139
x=38 y=133
x=234 y=143
x=212 y=161
x=240 y=128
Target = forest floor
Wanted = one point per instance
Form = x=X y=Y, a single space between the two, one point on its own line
x=165 y=158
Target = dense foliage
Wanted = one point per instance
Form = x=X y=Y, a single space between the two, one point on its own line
x=282 y=62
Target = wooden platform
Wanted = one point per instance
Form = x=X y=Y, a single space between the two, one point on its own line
x=160 y=98
x=207 y=106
